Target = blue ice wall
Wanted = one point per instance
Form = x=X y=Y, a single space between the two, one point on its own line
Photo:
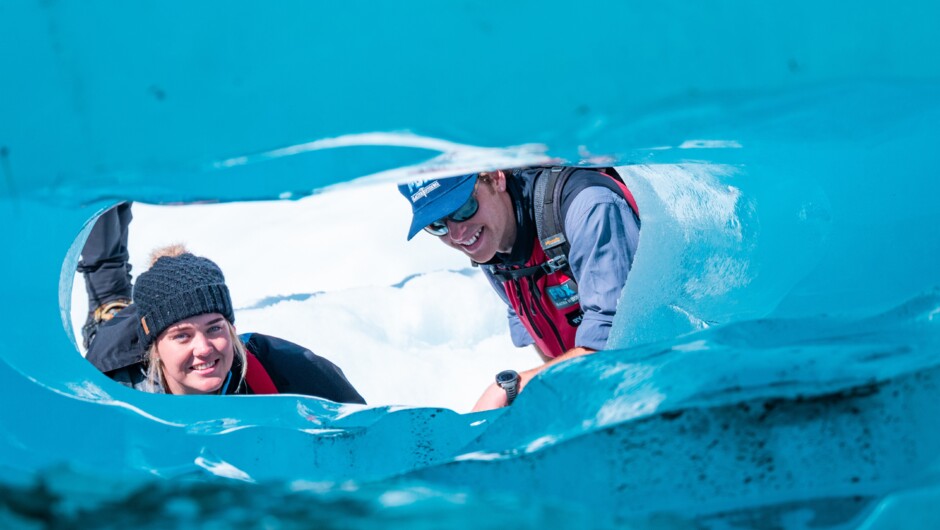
x=777 y=342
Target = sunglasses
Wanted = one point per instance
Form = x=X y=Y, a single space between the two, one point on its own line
x=465 y=212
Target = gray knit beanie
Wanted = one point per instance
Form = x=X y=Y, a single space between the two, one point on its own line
x=176 y=288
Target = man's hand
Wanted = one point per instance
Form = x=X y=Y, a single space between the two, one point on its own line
x=495 y=397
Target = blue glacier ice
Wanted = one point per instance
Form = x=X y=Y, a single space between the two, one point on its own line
x=774 y=362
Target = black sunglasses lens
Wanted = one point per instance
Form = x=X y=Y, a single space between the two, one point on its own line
x=437 y=228
x=468 y=210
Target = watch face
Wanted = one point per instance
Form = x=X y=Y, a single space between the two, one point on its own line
x=506 y=376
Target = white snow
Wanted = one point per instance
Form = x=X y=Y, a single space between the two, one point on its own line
x=410 y=323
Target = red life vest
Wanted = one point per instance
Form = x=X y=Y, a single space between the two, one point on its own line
x=548 y=303
x=552 y=325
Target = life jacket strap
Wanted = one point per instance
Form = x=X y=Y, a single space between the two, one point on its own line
x=505 y=275
x=549 y=222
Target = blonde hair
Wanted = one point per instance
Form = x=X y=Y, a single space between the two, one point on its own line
x=157 y=379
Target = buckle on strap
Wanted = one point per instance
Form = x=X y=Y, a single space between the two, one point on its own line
x=555 y=264
x=506 y=275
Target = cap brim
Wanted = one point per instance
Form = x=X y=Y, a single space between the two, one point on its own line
x=442 y=206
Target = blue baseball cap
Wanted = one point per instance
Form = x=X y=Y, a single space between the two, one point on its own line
x=435 y=199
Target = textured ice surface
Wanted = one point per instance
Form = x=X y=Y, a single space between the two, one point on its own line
x=775 y=353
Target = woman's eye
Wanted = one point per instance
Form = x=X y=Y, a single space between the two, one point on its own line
x=215 y=329
x=180 y=337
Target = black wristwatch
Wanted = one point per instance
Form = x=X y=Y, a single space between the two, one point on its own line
x=508 y=380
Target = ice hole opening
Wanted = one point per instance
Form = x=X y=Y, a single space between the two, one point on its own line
x=409 y=323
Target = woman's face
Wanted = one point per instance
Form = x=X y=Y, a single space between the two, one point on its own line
x=196 y=354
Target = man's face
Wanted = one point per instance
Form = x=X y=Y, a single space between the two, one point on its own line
x=492 y=229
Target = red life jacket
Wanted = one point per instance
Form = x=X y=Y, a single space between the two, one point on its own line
x=552 y=324
x=546 y=298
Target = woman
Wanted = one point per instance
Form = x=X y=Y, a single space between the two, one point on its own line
x=178 y=337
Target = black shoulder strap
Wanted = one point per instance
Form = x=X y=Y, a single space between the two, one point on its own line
x=549 y=222
x=549 y=214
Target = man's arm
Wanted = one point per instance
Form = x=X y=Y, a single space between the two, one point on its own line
x=495 y=397
x=604 y=236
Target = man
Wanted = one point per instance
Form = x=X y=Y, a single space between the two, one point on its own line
x=564 y=309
